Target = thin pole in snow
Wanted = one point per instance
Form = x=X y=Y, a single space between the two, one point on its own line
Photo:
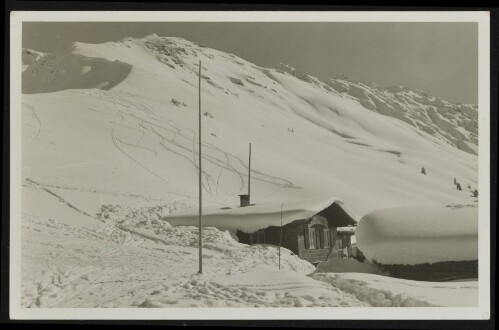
x=200 y=184
x=280 y=239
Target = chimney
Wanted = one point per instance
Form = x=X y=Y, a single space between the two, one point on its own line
x=245 y=200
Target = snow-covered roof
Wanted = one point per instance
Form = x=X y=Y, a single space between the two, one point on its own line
x=346 y=230
x=419 y=234
x=259 y=216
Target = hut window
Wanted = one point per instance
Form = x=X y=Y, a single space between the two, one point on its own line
x=311 y=238
x=317 y=237
x=327 y=238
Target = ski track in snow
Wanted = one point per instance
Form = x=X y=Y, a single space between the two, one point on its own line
x=220 y=173
x=58 y=197
x=35 y=116
x=89 y=190
x=222 y=164
x=114 y=139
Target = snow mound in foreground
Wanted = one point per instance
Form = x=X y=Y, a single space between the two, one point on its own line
x=348 y=265
x=421 y=234
x=262 y=286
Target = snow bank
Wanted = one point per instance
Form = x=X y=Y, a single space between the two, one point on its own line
x=252 y=218
x=382 y=291
x=283 y=289
x=419 y=234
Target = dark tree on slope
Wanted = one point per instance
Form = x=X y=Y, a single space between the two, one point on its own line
x=458 y=186
x=423 y=170
x=475 y=193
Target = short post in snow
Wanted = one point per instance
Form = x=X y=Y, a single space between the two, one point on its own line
x=249 y=171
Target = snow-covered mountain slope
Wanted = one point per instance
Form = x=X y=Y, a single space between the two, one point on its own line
x=308 y=139
x=456 y=124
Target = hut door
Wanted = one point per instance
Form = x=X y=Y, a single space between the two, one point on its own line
x=319 y=234
x=318 y=238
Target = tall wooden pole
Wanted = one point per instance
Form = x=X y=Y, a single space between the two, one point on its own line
x=280 y=239
x=200 y=184
x=249 y=173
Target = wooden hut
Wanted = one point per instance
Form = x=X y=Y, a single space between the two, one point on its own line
x=309 y=227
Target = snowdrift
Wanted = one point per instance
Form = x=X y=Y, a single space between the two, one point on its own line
x=419 y=234
x=59 y=71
